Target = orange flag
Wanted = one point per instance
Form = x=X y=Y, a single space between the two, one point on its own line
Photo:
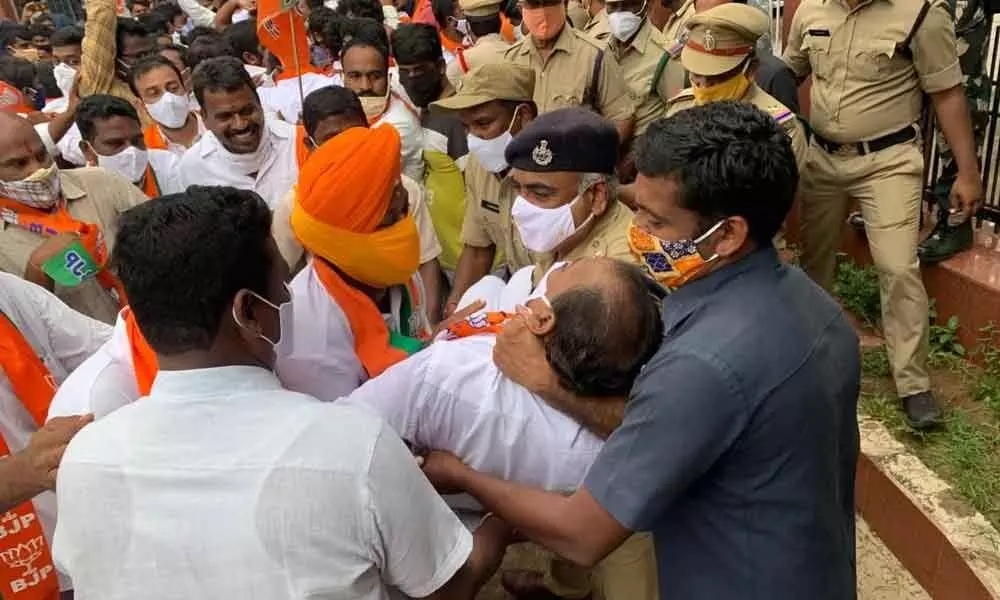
x=282 y=30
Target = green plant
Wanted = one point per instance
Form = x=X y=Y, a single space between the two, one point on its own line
x=944 y=338
x=986 y=388
x=858 y=290
x=875 y=362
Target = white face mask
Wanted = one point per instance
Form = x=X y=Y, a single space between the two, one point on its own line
x=65 y=76
x=286 y=318
x=490 y=153
x=170 y=110
x=624 y=24
x=461 y=26
x=40 y=190
x=130 y=163
x=542 y=229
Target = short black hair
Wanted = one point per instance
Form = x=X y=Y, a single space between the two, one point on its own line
x=41 y=30
x=45 y=73
x=365 y=33
x=484 y=26
x=148 y=64
x=330 y=101
x=168 y=10
x=128 y=28
x=10 y=31
x=414 y=43
x=17 y=72
x=67 y=36
x=729 y=158
x=361 y=9
x=442 y=9
x=222 y=73
x=242 y=37
x=98 y=107
x=200 y=31
x=206 y=48
x=324 y=26
x=183 y=258
x=154 y=23
x=603 y=337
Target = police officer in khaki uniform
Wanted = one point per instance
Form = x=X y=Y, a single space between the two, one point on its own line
x=562 y=166
x=483 y=17
x=597 y=22
x=641 y=52
x=675 y=29
x=719 y=54
x=570 y=66
x=872 y=62
x=494 y=102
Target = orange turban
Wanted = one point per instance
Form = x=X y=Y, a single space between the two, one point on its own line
x=343 y=193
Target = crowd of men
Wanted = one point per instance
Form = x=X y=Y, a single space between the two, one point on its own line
x=347 y=315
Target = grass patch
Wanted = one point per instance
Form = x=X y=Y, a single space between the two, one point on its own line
x=965 y=452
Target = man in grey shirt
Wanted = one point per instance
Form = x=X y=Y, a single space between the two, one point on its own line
x=739 y=439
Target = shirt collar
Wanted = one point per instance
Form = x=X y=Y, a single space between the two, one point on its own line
x=69 y=187
x=218 y=381
x=690 y=296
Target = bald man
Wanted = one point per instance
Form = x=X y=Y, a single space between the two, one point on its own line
x=59 y=226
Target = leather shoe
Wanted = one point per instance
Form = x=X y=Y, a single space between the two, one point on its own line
x=922 y=411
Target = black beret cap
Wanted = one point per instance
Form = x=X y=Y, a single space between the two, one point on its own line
x=568 y=139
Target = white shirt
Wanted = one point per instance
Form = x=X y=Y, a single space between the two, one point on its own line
x=208 y=163
x=283 y=98
x=166 y=166
x=451 y=396
x=103 y=383
x=62 y=338
x=223 y=485
x=411 y=135
x=180 y=149
x=505 y=296
x=322 y=361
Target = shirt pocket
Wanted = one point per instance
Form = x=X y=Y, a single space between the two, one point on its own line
x=565 y=100
x=875 y=60
x=817 y=47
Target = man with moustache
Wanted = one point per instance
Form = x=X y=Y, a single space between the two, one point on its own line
x=241 y=148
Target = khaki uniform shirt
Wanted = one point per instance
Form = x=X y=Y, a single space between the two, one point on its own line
x=563 y=78
x=488 y=49
x=609 y=238
x=676 y=27
x=577 y=14
x=639 y=61
x=598 y=28
x=863 y=86
x=766 y=102
x=94 y=196
x=488 y=200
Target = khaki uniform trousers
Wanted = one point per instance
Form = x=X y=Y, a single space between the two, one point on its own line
x=888 y=185
x=628 y=573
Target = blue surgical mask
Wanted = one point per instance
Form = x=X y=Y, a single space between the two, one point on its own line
x=319 y=56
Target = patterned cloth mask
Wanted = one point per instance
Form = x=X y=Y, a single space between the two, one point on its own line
x=670 y=263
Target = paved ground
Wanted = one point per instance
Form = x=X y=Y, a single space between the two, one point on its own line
x=880 y=576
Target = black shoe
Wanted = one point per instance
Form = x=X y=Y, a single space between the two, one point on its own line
x=922 y=411
x=946 y=241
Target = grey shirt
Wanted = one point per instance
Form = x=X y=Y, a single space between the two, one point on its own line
x=740 y=440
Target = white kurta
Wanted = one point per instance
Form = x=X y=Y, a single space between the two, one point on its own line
x=223 y=485
x=205 y=163
x=451 y=396
x=62 y=338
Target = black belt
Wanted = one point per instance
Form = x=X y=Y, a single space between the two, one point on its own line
x=906 y=134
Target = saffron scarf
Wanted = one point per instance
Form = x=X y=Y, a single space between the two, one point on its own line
x=49 y=224
x=144 y=362
x=26 y=568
